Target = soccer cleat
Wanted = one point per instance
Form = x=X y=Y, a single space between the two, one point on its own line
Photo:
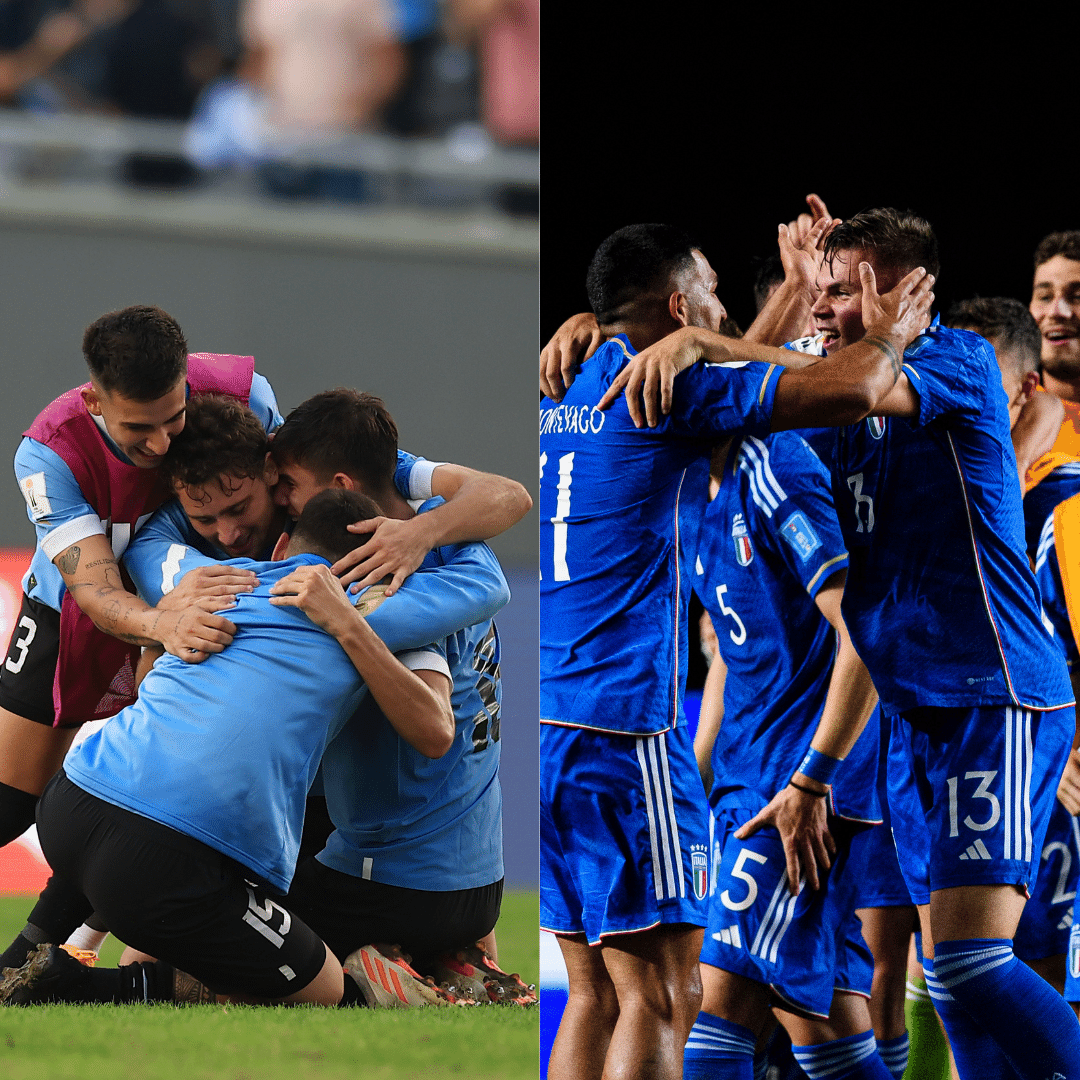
x=49 y=974
x=86 y=957
x=390 y=984
x=472 y=965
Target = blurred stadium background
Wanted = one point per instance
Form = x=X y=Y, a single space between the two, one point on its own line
x=346 y=189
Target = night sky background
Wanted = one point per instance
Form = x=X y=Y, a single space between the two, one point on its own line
x=723 y=127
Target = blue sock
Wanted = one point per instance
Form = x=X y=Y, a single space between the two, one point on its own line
x=718 y=1048
x=853 y=1058
x=894 y=1052
x=1027 y=1018
x=973 y=1049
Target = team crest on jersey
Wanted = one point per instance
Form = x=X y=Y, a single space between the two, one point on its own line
x=33 y=489
x=799 y=533
x=744 y=552
x=699 y=869
x=876 y=424
x=1074 y=951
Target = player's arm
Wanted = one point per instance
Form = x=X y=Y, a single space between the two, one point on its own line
x=561 y=359
x=478 y=506
x=710 y=718
x=799 y=811
x=92 y=576
x=417 y=704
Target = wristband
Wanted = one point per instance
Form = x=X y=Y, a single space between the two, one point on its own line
x=808 y=791
x=820 y=767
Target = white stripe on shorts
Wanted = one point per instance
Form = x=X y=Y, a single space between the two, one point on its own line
x=660 y=808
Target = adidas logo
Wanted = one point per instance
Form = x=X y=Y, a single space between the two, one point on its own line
x=729 y=936
x=978 y=851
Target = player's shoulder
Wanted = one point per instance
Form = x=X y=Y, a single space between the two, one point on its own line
x=783 y=456
x=947 y=342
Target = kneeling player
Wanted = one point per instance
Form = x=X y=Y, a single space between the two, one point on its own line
x=180 y=820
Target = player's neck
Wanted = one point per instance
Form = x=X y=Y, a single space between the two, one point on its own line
x=394 y=505
x=640 y=334
x=1066 y=390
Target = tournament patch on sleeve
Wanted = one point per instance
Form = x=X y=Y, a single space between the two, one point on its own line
x=800 y=534
x=33 y=489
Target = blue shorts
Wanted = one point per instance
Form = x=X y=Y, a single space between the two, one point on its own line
x=971 y=791
x=882 y=883
x=624 y=843
x=1048 y=915
x=804 y=947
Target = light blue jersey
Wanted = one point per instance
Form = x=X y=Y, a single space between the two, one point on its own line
x=60 y=512
x=225 y=751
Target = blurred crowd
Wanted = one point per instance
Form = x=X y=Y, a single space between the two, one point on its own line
x=256 y=79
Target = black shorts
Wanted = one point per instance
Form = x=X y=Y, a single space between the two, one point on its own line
x=347 y=912
x=28 y=671
x=174 y=897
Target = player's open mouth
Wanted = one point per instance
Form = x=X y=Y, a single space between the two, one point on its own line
x=1059 y=335
x=828 y=338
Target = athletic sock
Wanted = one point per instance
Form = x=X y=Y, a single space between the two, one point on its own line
x=928 y=1054
x=87 y=938
x=851 y=1058
x=717 y=1049
x=17 y=811
x=130 y=983
x=894 y=1052
x=1026 y=1017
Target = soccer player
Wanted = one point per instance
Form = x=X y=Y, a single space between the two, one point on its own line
x=415 y=858
x=179 y=821
x=622 y=809
x=943 y=609
x=770 y=570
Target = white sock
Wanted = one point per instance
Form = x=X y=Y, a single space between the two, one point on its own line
x=86 y=937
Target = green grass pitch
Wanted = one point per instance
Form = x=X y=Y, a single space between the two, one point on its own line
x=236 y=1042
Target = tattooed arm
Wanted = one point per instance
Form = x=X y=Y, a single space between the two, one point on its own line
x=92 y=576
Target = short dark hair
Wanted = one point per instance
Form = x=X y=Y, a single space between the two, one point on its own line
x=1006 y=323
x=341 y=430
x=322 y=528
x=768 y=271
x=633 y=263
x=898 y=239
x=1058 y=243
x=221 y=437
x=139 y=352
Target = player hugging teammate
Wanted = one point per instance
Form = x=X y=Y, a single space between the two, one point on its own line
x=886 y=571
x=420 y=664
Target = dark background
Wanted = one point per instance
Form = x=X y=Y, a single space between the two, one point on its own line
x=723 y=128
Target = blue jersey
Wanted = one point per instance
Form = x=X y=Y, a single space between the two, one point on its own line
x=1058 y=485
x=169 y=525
x=407 y=820
x=225 y=751
x=769 y=541
x=613 y=594
x=940 y=600
x=58 y=507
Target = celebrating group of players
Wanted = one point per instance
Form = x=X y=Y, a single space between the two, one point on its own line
x=299 y=779
x=888 y=548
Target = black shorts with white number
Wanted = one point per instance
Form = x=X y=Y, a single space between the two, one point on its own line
x=176 y=898
x=27 y=673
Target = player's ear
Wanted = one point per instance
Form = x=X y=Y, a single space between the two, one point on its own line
x=270 y=473
x=91 y=399
x=279 y=548
x=1027 y=387
x=679 y=308
x=343 y=480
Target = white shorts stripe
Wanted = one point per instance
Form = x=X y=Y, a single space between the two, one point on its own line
x=675 y=844
x=1008 y=815
x=777 y=897
x=661 y=814
x=657 y=881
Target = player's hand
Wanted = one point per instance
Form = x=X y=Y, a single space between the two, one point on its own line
x=648 y=378
x=319 y=595
x=800 y=228
x=192 y=634
x=802 y=821
x=574 y=342
x=1069 y=787
x=209 y=588
x=395 y=549
x=802 y=245
x=903 y=310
